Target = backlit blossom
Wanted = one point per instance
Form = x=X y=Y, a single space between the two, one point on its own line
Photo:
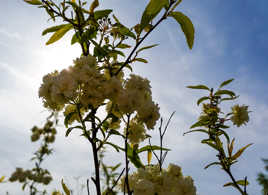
x=240 y=115
x=151 y=181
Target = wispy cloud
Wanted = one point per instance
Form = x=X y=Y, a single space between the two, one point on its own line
x=10 y=35
x=17 y=74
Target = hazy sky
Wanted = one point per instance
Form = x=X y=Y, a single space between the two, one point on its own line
x=231 y=42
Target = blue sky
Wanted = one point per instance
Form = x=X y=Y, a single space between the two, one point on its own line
x=231 y=42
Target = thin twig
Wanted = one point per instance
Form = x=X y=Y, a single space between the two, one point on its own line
x=118 y=179
x=139 y=42
x=88 y=187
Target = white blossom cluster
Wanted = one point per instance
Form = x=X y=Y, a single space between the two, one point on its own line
x=86 y=85
x=136 y=132
x=152 y=181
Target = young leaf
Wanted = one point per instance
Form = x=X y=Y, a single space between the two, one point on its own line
x=134 y=157
x=229 y=184
x=150 y=148
x=186 y=26
x=220 y=132
x=197 y=124
x=196 y=130
x=33 y=2
x=242 y=182
x=239 y=152
x=59 y=34
x=64 y=187
x=210 y=143
x=239 y=182
x=75 y=38
x=117 y=148
x=114 y=132
x=102 y=13
x=123 y=46
x=141 y=60
x=151 y=11
x=93 y=5
x=125 y=31
x=225 y=92
x=231 y=147
x=149 y=156
x=202 y=99
x=54 y=28
x=147 y=47
x=231 y=98
x=2 y=179
x=214 y=163
x=68 y=131
x=198 y=87
x=68 y=117
x=226 y=83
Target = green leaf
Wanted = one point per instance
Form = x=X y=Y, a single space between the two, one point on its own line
x=149 y=148
x=64 y=187
x=227 y=99
x=239 y=182
x=198 y=87
x=129 y=67
x=68 y=117
x=226 y=83
x=196 y=130
x=221 y=132
x=214 y=163
x=23 y=186
x=114 y=132
x=50 y=13
x=115 y=167
x=240 y=151
x=225 y=92
x=210 y=143
x=231 y=147
x=2 y=179
x=59 y=34
x=141 y=60
x=116 y=19
x=197 y=124
x=33 y=2
x=117 y=52
x=186 y=26
x=149 y=156
x=68 y=131
x=123 y=46
x=229 y=184
x=117 y=148
x=202 y=99
x=242 y=182
x=53 y=29
x=147 y=47
x=151 y=11
x=102 y=13
x=125 y=31
x=93 y=5
x=134 y=157
x=75 y=38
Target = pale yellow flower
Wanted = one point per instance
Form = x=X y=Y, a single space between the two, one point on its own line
x=240 y=115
